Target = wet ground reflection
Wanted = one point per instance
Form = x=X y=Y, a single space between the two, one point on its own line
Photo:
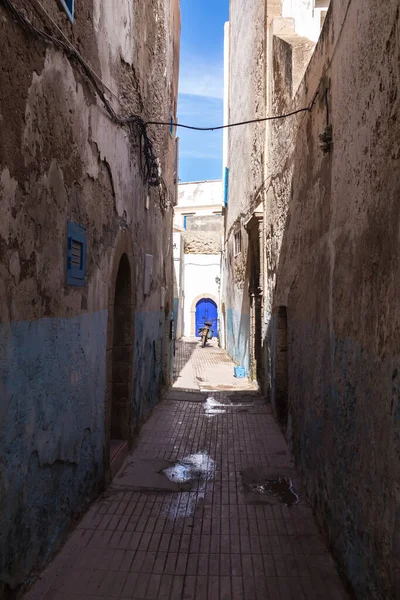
x=279 y=487
x=194 y=467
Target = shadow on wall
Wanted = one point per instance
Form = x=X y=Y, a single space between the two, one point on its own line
x=335 y=273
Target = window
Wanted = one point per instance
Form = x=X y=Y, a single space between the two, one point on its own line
x=238 y=242
x=218 y=214
x=185 y=219
x=76 y=254
x=69 y=8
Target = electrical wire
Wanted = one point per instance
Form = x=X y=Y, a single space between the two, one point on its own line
x=229 y=125
x=152 y=164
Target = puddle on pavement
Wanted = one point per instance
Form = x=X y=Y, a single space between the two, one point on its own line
x=279 y=487
x=194 y=467
x=212 y=407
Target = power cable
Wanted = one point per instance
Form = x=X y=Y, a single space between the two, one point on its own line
x=152 y=171
x=262 y=120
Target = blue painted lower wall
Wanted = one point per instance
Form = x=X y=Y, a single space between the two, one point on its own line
x=53 y=381
x=148 y=363
x=238 y=338
x=52 y=417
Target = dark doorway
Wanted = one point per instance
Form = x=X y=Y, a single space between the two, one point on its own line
x=281 y=367
x=254 y=229
x=122 y=355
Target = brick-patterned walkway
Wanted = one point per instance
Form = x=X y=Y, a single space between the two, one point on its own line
x=205 y=531
x=206 y=368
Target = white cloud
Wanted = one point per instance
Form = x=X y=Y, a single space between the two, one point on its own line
x=200 y=111
x=199 y=78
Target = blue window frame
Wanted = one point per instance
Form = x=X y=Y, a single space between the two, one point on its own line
x=69 y=8
x=76 y=254
x=185 y=218
x=226 y=186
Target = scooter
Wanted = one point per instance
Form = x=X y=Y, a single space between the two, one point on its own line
x=206 y=333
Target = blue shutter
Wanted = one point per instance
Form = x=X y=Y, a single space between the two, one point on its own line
x=184 y=221
x=226 y=186
x=76 y=254
x=69 y=8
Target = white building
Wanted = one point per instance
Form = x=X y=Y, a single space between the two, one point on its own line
x=198 y=198
x=198 y=229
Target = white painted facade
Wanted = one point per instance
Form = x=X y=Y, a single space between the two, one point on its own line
x=308 y=16
x=197 y=274
x=201 y=280
x=200 y=198
x=178 y=283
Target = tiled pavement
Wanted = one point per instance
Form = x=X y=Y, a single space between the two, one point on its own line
x=205 y=368
x=203 y=532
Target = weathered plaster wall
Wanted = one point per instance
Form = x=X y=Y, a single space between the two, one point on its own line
x=332 y=224
x=204 y=235
x=245 y=159
x=201 y=198
x=62 y=158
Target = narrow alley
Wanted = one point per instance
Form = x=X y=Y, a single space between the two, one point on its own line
x=207 y=506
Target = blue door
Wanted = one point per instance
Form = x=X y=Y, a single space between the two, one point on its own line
x=206 y=310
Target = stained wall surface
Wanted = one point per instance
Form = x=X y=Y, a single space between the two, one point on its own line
x=332 y=239
x=62 y=158
x=245 y=147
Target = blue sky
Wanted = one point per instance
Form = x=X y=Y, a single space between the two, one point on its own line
x=201 y=87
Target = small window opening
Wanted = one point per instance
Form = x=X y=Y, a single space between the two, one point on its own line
x=76 y=254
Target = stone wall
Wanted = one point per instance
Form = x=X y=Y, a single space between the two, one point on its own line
x=203 y=235
x=332 y=236
x=61 y=159
x=246 y=146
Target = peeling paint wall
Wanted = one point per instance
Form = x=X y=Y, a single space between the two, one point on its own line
x=332 y=239
x=61 y=158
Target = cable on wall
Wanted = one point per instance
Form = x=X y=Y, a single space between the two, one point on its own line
x=151 y=164
x=152 y=167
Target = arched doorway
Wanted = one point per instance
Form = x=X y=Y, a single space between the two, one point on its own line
x=122 y=356
x=206 y=310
